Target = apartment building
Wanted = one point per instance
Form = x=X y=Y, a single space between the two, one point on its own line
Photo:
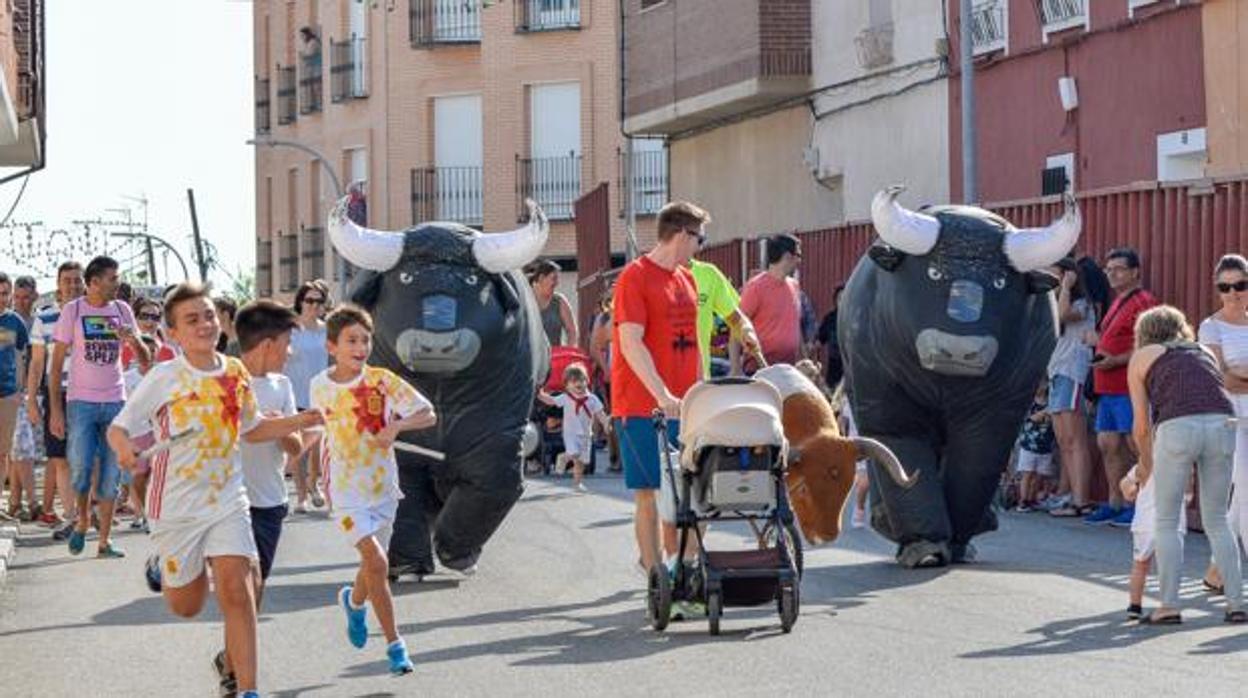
x=1087 y=94
x=442 y=110
x=23 y=120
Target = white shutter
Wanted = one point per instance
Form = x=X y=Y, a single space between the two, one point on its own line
x=457 y=131
x=556 y=119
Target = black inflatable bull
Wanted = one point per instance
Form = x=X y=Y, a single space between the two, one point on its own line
x=946 y=327
x=456 y=319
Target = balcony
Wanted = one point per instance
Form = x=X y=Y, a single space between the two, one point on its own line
x=262 y=105
x=264 y=268
x=286 y=93
x=23 y=120
x=649 y=182
x=288 y=262
x=312 y=254
x=347 y=77
x=311 y=83
x=448 y=194
x=1063 y=14
x=988 y=26
x=547 y=15
x=438 y=22
x=553 y=182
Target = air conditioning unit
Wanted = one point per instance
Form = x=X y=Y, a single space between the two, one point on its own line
x=810 y=158
x=875 y=46
x=1068 y=92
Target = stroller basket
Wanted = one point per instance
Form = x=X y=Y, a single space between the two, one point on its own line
x=748 y=576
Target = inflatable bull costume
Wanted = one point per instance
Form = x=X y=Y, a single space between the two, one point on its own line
x=455 y=318
x=946 y=326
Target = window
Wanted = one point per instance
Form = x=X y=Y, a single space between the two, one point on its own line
x=874 y=44
x=988 y=26
x=454 y=189
x=1059 y=174
x=647 y=4
x=1063 y=14
x=551 y=174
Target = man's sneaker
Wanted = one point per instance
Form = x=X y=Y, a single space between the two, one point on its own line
x=1103 y=514
x=357 y=625
x=64 y=531
x=400 y=663
x=151 y=573
x=109 y=552
x=77 y=540
x=1124 y=518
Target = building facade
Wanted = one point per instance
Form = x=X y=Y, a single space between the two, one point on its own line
x=443 y=110
x=23 y=120
x=1079 y=93
x=1224 y=29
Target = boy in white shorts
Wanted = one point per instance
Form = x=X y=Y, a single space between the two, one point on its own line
x=1142 y=527
x=365 y=409
x=201 y=404
x=581 y=409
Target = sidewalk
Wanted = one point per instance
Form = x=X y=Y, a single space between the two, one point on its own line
x=8 y=547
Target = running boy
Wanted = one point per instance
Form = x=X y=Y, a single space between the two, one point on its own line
x=581 y=409
x=365 y=409
x=201 y=403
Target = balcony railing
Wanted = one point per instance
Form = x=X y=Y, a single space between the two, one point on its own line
x=649 y=182
x=348 y=79
x=988 y=26
x=312 y=254
x=546 y=15
x=311 y=83
x=262 y=105
x=286 y=93
x=264 y=268
x=1061 y=14
x=448 y=194
x=288 y=262
x=554 y=183
x=433 y=22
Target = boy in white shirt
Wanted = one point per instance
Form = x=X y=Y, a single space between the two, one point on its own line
x=581 y=409
x=201 y=404
x=365 y=409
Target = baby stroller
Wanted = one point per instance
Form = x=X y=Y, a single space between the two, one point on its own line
x=731 y=469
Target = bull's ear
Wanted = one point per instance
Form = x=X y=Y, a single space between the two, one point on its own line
x=365 y=288
x=888 y=258
x=1041 y=282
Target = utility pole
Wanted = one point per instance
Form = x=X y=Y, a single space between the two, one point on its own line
x=966 y=46
x=199 y=245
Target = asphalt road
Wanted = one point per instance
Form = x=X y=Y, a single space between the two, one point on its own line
x=557 y=609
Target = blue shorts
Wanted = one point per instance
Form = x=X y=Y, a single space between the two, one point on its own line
x=1065 y=394
x=266 y=526
x=1113 y=414
x=639 y=450
x=85 y=426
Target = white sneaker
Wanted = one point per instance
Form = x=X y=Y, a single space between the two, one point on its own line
x=301 y=508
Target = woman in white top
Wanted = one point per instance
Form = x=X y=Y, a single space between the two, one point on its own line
x=308 y=357
x=1226 y=334
x=1067 y=371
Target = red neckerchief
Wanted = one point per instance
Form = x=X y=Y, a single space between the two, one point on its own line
x=579 y=404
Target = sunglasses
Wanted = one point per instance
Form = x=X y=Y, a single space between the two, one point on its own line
x=151 y=317
x=314 y=301
x=700 y=237
x=1241 y=285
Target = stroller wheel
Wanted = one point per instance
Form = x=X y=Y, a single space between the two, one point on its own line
x=769 y=537
x=659 y=598
x=714 y=609
x=788 y=606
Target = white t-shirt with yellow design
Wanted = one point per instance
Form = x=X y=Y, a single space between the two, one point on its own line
x=357 y=472
x=199 y=477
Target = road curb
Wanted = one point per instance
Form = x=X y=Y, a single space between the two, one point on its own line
x=8 y=548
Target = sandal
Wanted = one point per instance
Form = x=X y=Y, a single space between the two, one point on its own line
x=1235 y=617
x=1071 y=511
x=1213 y=588
x=1168 y=619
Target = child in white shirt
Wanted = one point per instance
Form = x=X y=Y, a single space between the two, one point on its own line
x=1142 y=528
x=365 y=408
x=581 y=409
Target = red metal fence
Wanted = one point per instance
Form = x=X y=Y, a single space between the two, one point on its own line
x=593 y=255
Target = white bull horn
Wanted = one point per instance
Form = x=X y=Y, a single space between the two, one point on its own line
x=502 y=252
x=376 y=250
x=1036 y=248
x=903 y=229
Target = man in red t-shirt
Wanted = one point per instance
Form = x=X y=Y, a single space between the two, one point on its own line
x=655 y=330
x=1113 y=409
x=772 y=301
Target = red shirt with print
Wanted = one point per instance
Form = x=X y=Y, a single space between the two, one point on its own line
x=665 y=302
x=1118 y=337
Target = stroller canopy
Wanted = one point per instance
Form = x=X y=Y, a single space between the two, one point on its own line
x=739 y=413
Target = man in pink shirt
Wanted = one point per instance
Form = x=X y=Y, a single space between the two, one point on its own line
x=92 y=330
x=772 y=301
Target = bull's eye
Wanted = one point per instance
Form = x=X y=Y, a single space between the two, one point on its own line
x=934 y=274
x=998 y=283
x=405 y=278
x=471 y=279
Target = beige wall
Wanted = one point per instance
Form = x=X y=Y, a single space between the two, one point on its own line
x=395 y=121
x=1225 y=32
x=751 y=178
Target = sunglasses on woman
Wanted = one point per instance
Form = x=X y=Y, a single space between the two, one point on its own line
x=1241 y=285
x=313 y=301
x=150 y=317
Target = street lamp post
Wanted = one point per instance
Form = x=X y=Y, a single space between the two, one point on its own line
x=328 y=168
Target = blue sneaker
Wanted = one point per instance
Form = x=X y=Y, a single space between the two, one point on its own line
x=357 y=626
x=1103 y=514
x=1124 y=518
x=251 y=694
x=400 y=663
x=77 y=541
